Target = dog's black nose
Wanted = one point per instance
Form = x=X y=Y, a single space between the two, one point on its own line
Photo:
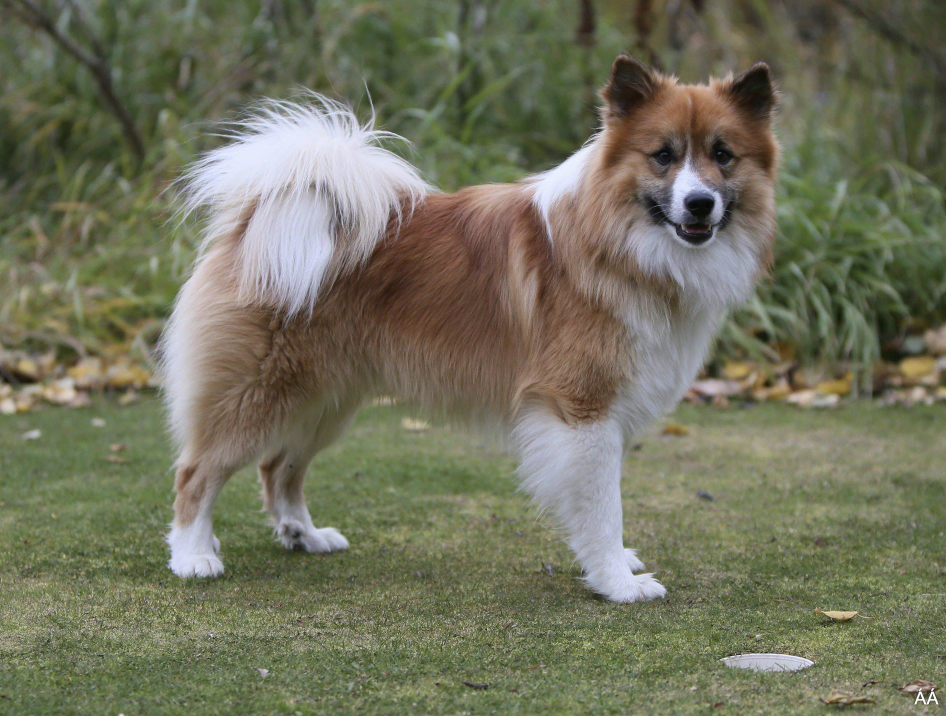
x=700 y=204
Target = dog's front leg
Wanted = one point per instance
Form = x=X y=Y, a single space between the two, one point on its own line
x=574 y=470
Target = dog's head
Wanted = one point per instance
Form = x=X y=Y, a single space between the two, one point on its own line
x=691 y=168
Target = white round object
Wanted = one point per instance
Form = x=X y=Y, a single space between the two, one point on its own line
x=767 y=662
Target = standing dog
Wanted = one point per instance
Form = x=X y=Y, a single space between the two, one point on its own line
x=573 y=308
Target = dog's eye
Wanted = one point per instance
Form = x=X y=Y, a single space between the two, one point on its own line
x=664 y=157
x=723 y=156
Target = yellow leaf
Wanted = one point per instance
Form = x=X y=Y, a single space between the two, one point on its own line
x=913 y=368
x=838 y=616
x=841 y=386
x=676 y=429
x=28 y=367
x=124 y=375
x=414 y=426
x=736 y=370
x=87 y=373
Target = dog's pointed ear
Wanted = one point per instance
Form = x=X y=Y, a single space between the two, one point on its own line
x=631 y=84
x=754 y=91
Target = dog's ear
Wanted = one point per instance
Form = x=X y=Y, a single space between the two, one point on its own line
x=754 y=91
x=631 y=84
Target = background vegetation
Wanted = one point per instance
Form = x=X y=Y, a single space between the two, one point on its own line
x=103 y=101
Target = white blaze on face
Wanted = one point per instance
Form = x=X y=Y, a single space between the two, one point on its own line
x=687 y=182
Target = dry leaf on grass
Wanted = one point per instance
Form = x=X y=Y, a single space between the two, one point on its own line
x=712 y=387
x=838 y=616
x=98 y=422
x=841 y=616
x=32 y=434
x=414 y=426
x=843 y=698
x=478 y=687
x=935 y=340
x=676 y=429
x=116 y=459
x=262 y=672
x=841 y=386
x=116 y=447
x=918 y=687
x=918 y=367
x=736 y=370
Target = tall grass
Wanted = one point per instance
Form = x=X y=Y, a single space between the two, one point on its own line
x=88 y=256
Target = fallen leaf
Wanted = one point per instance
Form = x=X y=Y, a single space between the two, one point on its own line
x=60 y=392
x=478 y=687
x=87 y=373
x=712 y=387
x=32 y=434
x=414 y=426
x=98 y=422
x=918 y=687
x=116 y=447
x=779 y=391
x=841 y=386
x=736 y=370
x=914 y=368
x=813 y=399
x=838 y=616
x=116 y=459
x=935 y=340
x=128 y=398
x=843 y=698
x=27 y=369
x=127 y=375
x=262 y=672
x=676 y=429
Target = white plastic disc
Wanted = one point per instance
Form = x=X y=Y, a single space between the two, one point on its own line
x=767 y=662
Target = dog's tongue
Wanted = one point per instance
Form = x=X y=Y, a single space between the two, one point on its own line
x=696 y=228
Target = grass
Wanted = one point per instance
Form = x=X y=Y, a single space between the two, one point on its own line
x=445 y=579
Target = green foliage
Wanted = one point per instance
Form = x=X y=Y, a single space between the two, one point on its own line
x=487 y=91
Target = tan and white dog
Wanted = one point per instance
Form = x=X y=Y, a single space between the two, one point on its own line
x=572 y=308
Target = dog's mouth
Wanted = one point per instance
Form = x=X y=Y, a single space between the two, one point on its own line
x=695 y=234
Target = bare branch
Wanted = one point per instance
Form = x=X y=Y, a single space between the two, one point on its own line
x=32 y=14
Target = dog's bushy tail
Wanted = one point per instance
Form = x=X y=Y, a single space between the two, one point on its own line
x=307 y=190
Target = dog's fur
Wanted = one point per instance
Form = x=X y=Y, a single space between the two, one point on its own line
x=571 y=308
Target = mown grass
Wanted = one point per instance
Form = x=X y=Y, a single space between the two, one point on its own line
x=445 y=580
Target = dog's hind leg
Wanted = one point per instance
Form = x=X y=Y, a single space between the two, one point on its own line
x=282 y=472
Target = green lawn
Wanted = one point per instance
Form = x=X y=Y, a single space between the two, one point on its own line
x=445 y=581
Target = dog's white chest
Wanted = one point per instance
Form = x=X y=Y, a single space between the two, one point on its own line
x=665 y=362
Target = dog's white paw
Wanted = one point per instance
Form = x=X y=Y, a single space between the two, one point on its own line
x=296 y=536
x=630 y=588
x=632 y=561
x=196 y=565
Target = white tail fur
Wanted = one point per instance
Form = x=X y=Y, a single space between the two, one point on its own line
x=319 y=190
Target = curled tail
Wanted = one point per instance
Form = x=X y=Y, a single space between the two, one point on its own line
x=308 y=191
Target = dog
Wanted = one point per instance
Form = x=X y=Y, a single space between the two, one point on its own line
x=572 y=308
